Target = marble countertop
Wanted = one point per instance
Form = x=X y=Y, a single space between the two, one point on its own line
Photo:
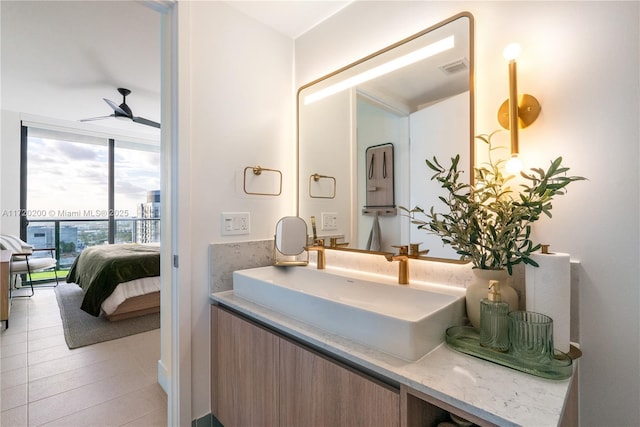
x=494 y=393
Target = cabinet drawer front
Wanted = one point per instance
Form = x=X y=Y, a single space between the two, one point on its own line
x=245 y=364
x=262 y=379
x=316 y=391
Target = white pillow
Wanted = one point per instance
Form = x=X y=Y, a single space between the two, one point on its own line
x=14 y=244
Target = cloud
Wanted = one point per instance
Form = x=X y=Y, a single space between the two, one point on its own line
x=82 y=152
x=72 y=176
x=127 y=187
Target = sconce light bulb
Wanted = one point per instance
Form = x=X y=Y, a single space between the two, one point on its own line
x=511 y=52
x=514 y=165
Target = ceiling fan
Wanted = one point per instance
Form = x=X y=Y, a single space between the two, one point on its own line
x=123 y=110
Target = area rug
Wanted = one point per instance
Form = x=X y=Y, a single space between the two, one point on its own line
x=81 y=328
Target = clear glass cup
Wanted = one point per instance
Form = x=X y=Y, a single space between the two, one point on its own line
x=494 y=325
x=531 y=336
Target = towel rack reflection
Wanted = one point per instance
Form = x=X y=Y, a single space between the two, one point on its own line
x=381 y=211
x=257 y=170
x=316 y=177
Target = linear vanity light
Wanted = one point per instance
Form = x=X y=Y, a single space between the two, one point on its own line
x=519 y=111
x=395 y=64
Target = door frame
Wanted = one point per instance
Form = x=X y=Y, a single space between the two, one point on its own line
x=174 y=366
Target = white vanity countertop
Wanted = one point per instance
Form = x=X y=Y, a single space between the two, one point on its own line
x=494 y=393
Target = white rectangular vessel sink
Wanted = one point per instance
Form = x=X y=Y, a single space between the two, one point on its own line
x=399 y=320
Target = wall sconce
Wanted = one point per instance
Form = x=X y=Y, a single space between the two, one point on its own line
x=519 y=111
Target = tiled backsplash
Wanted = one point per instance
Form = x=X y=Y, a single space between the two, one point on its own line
x=225 y=258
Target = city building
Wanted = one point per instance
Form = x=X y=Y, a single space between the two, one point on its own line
x=148 y=230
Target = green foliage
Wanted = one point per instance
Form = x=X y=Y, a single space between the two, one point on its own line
x=67 y=247
x=489 y=223
x=48 y=275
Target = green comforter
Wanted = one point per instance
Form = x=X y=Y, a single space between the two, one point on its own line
x=99 y=269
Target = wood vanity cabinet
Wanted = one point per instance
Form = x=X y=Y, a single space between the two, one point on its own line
x=244 y=369
x=5 y=302
x=261 y=378
x=317 y=391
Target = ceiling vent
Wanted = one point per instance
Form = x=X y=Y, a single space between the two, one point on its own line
x=455 y=66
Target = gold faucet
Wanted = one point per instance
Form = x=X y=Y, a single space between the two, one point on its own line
x=333 y=242
x=319 y=247
x=415 y=252
x=403 y=258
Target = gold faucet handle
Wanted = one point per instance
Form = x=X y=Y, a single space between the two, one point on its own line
x=333 y=242
x=402 y=249
x=317 y=245
x=414 y=249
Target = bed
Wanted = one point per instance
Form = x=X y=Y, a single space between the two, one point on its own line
x=119 y=281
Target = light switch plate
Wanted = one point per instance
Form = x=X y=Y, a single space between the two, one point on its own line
x=234 y=223
x=329 y=221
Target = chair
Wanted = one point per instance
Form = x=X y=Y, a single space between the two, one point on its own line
x=25 y=259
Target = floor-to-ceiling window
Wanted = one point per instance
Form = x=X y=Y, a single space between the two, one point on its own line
x=79 y=191
x=136 y=192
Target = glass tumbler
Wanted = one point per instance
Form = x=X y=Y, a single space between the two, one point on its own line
x=531 y=336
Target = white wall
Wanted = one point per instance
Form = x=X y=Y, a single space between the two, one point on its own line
x=10 y=172
x=431 y=136
x=236 y=111
x=326 y=136
x=581 y=60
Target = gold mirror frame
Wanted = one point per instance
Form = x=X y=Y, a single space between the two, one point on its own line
x=376 y=55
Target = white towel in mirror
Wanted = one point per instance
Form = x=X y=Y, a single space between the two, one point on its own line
x=374 y=243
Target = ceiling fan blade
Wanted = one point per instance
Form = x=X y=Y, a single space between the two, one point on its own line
x=147 y=122
x=116 y=107
x=97 y=118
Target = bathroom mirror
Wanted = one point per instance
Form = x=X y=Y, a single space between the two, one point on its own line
x=291 y=235
x=290 y=241
x=424 y=109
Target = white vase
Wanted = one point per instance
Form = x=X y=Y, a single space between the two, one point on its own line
x=479 y=288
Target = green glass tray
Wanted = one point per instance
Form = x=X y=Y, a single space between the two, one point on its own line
x=466 y=339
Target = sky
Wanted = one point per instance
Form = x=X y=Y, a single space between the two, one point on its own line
x=70 y=179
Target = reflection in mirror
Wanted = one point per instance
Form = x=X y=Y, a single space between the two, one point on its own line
x=290 y=241
x=424 y=109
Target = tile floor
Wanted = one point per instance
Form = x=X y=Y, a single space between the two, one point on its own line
x=43 y=383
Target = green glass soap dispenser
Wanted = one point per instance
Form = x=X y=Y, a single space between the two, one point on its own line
x=494 y=323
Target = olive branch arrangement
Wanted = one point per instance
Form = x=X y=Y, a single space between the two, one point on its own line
x=489 y=223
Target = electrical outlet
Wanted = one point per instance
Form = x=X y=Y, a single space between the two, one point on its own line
x=234 y=223
x=329 y=221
